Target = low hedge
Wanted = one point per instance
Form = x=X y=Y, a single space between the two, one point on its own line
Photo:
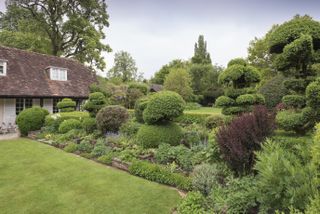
x=160 y=174
x=68 y=125
x=191 y=118
x=151 y=136
x=54 y=120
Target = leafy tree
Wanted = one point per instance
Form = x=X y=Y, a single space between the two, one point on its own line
x=160 y=76
x=201 y=56
x=73 y=27
x=124 y=68
x=179 y=80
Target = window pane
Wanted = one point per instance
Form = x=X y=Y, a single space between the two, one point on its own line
x=62 y=75
x=19 y=105
x=1 y=69
x=28 y=103
x=55 y=102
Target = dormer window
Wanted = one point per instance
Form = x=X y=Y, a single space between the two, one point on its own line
x=58 y=74
x=3 y=67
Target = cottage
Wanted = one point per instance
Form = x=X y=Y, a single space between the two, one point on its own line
x=31 y=79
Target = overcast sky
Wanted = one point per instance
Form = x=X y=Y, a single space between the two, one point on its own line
x=155 y=32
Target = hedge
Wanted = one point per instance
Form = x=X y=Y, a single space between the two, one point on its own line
x=191 y=118
x=54 y=120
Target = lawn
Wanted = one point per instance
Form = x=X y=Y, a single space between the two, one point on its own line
x=37 y=178
x=205 y=110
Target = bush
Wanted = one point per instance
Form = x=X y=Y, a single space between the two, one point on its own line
x=224 y=101
x=246 y=99
x=163 y=106
x=151 y=136
x=66 y=105
x=238 y=195
x=284 y=178
x=106 y=159
x=96 y=101
x=313 y=94
x=295 y=101
x=31 y=119
x=89 y=124
x=192 y=106
x=214 y=121
x=85 y=146
x=53 y=121
x=99 y=149
x=234 y=110
x=191 y=118
x=157 y=173
x=139 y=107
x=273 y=91
x=181 y=155
x=206 y=176
x=68 y=125
x=110 y=118
x=130 y=128
x=195 y=135
x=314 y=206
x=71 y=147
x=239 y=140
x=193 y=203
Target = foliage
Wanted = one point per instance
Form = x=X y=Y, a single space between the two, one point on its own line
x=284 y=178
x=294 y=101
x=95 y=102
x=151 y=136
x=191 y=118
x=66 y=105
x=89 y=124
x=313 y=94
x=273 y=91
x=314 y=206
x=194 y=202
x=71 y=147
x=195 y=135
x=250 y=99
x=205 y=177
x=124 y=68
x=214 y=121
x=85 y=146
x=179 y=81
x=134 y=92
x=224 y=101
x=201 y=56
x=180 y=155
x=139 y=107
x=239 y=140
x=106 y=159
x=160 y=75
x=157 y=173
x=130 y=128
x=238 y=195
x=99 y=149
x=68 y=125
x=192 y=106
x=110 y=118
x=31 y=119
x=163 y=106
x=53 y=121
x=78 y=34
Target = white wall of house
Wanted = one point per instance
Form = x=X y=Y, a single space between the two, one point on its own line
x=9 y=114
x=48 y=104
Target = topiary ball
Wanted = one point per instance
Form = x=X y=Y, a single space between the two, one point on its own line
x=68 y=125
x=163 y=106
x=66 y=105
x=110 y=118
x=31 y=119
x=151 y=136
x=224 y=101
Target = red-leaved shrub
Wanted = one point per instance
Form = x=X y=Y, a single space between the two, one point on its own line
x=243 y=136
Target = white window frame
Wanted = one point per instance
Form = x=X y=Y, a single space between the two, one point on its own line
x=60 y=74
x=4 y=64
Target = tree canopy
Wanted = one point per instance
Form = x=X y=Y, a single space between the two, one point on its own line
x=201 y=56
x=71 y=28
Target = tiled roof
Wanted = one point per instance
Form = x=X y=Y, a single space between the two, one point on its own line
x=28 y=75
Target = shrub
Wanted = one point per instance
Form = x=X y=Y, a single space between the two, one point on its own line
x=194 y=202
x=284 y=179
x=99 y=149
x=195 y=135
x=66 y=105
x=139 y=107
x=96 y=101
x=151 y=136
x=295 y=101
x=214 y=121
x=244 y=135
x=142 y=87
x=314 y=206
x=130 y=128
x=71 y=147
x=53 y=121
x=163 y=106
x=157 y=173
x=181 y=155
x=238 y=195
x=273 y=91
x=246 y=99
x=191 y=118
x=106 y=159
x=206 y=176
x=89 y=124
x=110 y=118
x=85 y=146
x=224 y=101
x=68 y=125
x=192 y=106
x=31 y=119
x=234 y=110
x=313 y=94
